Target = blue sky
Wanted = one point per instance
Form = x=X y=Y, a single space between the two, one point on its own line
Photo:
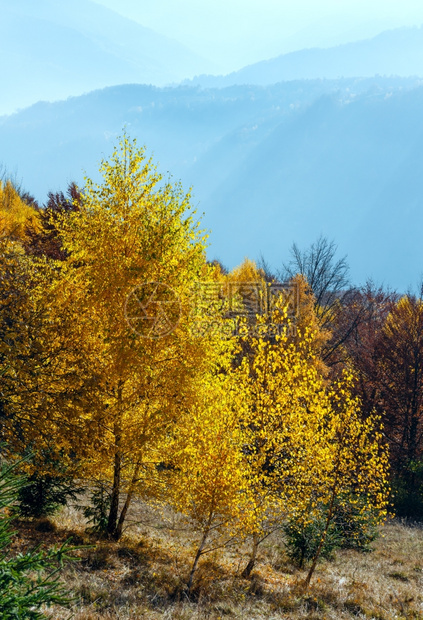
x=233 y=33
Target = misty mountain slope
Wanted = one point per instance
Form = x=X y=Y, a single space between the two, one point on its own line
x=189 y=130
x=50 y=50
x=177 y=125
x=392 y=230
x=268 y=166
x=352 y=173
x=393 y=52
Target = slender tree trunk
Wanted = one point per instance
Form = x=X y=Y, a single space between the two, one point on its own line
x=118 y=531
x=322 y=541
x=247 y=570
x=114 y=500
x=197 y=557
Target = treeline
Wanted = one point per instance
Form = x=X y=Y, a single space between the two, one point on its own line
x=132 y=367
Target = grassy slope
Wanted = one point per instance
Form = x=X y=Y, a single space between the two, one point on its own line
x=140 y=577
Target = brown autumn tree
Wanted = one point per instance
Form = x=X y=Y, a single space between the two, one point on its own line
x=44 y=240
x=387 y=354
x=374 y=304
x=399 y=352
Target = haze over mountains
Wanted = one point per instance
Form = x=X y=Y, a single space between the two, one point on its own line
x=273 y=155
x=394 y=52
x=237 y=33
x=52 y=50
x=269 y=166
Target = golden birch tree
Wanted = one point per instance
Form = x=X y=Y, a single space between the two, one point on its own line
x=307 y=443
x=134 y=254
x=208 y=480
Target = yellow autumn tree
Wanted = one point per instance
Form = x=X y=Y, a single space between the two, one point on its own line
x=307 y=443
x=284 y=419
x=246 y=290
x=208 y=480
x=16 y=216
x=246 y=272
x=306 y=332
x=134 y=253
x=354 y=464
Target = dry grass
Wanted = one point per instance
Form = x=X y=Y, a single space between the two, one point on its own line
x=143 y=576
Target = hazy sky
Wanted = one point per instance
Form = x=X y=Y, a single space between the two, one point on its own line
x=233 y=33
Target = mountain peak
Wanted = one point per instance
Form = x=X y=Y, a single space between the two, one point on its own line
x=392 y=52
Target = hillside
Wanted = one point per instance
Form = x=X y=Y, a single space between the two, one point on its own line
x=142 y=575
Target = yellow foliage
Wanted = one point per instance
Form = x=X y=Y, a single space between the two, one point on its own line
x=247 y=271
x=307 y=329
x=16 y=217
x=209 y=483
x=307 y=441
x=135 y=253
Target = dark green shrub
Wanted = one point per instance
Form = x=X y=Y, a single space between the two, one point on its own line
x=41 y=493
x=407 y=492
x=303 y=539
x=31 y=580
x=97 y=513
x=352 y=527
x=357 y=527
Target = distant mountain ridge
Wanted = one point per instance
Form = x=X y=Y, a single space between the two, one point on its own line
x=393 y=52
x=268 y=165
x=50 y=50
